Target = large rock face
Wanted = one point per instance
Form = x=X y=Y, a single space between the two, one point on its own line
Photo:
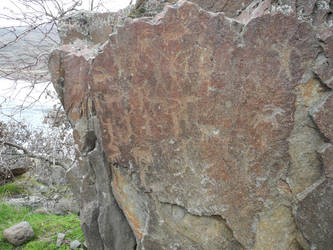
x=203 y=130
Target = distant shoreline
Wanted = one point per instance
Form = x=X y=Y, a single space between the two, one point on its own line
x=12 y=98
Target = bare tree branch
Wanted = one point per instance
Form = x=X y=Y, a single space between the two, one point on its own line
x=34 y=156
x=25 y=43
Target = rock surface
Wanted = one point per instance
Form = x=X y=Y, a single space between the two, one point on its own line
x=314 y=216
x=75 y=244
x=19 y=233
x=60 y=239
x=204 y=130
x=44 y=198
x=326 y=153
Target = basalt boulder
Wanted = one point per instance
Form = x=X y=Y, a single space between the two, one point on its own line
x=202 y=129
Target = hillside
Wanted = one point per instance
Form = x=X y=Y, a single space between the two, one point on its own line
x=26 y=48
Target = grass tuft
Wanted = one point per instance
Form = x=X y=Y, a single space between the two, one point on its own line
x=10 y=189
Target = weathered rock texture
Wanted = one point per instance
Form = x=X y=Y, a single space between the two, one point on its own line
x=19 y=233
x=200 y=129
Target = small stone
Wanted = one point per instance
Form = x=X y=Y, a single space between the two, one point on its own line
x=41 y=210
x=60 y=239
x=85 y=246
x=19 y=233
x=75 y=244
x=43 y=189
x=56 y=197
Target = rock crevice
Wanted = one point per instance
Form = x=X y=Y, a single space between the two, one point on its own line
x=195 y=115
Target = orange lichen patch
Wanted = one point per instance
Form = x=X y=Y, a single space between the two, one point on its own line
x=134 y=223
x=142 y=156
x=119 y=185
x=311 y=91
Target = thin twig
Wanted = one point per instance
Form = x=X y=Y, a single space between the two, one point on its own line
x=34 y=156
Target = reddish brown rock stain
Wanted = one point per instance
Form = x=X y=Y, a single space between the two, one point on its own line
x=223 y=104
x=155 y=105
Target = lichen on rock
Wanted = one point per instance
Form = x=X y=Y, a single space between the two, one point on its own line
x=202 y=127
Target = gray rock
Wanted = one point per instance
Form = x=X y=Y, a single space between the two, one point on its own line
x=60 y=239
x=41 y=210
x=74 y=180
x=56 y=197
x=49 y=175
x=62 y=207
x=32 y=201
x=75 y=244
x=326 y=153
x=314 y=216
x=19 y=233
x=200 y=124
x=43 y=189
x=75 y=207
x=65 y=206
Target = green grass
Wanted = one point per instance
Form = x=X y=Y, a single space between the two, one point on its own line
x=10 y=189
x=46 y=228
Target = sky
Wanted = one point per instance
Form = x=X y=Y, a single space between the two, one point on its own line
x=14 y=7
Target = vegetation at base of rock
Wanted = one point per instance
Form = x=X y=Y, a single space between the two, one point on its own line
x=42 y=245
x=46 y=227
x=10 y=189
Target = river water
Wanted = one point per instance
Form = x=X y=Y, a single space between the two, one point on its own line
x=14 y=103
